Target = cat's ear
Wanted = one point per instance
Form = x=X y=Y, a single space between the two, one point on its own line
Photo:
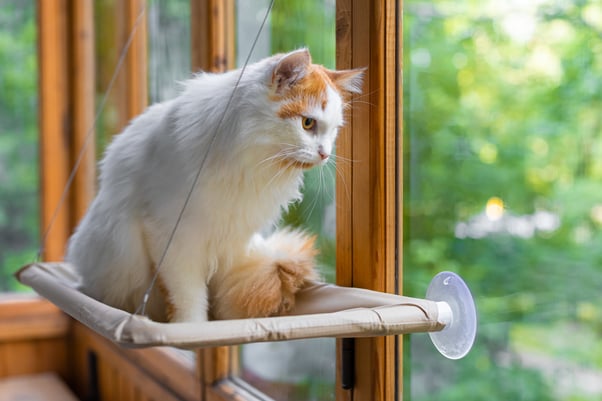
x=290 y=69
x=350 y=81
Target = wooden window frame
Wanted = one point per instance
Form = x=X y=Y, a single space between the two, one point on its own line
x=369 y=190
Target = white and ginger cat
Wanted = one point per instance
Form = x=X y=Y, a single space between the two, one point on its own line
x=282 y=118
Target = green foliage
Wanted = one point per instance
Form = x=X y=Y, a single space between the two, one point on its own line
x=477 y=377
x=308 y=23
x=18 y=139
x=508 y=108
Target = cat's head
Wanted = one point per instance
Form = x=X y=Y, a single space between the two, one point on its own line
x=308 y=101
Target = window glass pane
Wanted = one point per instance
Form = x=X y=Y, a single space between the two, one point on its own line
x=503 y=125
x=168 y=47
x=296 y=370
x=18 y=139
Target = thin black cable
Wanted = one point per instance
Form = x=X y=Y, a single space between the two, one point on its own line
x=142 y=308
x=80 y=155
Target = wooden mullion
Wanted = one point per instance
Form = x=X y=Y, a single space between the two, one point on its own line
x=344 y=148
x=214 y=363
x=212 y=35
x=393 y=186
x=82 y=106
x=396 y=14
x=199 y=34
x=54 y=125
x=66 y=54
x=344 y=199
x=369 y=266
x=217 y=36
x=128 y=96
x=367 y=37
x=136 y=62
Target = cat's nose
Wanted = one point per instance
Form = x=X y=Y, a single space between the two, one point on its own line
x=323 y=155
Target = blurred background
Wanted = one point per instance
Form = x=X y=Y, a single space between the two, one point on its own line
x=503 y=185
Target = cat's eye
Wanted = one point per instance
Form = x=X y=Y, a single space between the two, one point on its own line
x=308 y=123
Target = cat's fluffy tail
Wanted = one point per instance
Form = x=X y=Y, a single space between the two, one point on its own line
x=266 y=281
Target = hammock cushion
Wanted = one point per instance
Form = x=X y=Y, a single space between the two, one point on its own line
x=322 y=310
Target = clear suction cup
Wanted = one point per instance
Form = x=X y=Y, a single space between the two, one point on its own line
x=457 y=310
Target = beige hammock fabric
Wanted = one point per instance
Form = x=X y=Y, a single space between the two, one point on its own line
x=322 y=310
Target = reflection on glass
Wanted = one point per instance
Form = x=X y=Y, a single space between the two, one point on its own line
x=293 y=370
x=18 y=139
x=168 y=47
x=503 y=159
x=296 y=370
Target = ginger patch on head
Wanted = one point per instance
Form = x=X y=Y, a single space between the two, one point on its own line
x=308 y=92
x=301 y=85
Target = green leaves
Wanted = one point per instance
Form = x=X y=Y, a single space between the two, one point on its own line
x=18 y=139
x=505 y=102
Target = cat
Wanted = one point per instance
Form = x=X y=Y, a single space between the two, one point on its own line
x=254 y=135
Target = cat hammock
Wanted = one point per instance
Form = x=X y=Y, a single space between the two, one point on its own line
x=322 y=310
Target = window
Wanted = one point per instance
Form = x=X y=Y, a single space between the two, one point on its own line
x=502 y=176
x=367 y=188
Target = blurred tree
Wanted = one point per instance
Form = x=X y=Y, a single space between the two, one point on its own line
x=18 y=138
x=504 y=100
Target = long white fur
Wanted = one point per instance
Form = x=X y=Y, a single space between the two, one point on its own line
x=149 y=168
